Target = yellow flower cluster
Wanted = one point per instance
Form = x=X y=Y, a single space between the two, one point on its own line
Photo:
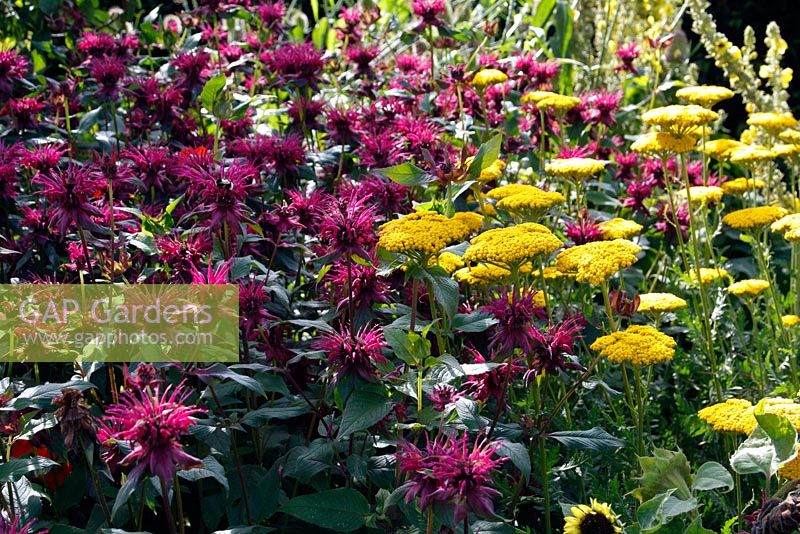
x=448 y=261
x=618 y=228
x=487 y=77
x=772 y=122
x=678 y=119
x=471 y=220
x=597 y=261
x=751 y=287
x=492 y=172
x=558 y=104
x=512 y=246
x=532 y=203
x=789 y=226
x=484 y=274
x=551 y=273
x=702 y=195
x=535 y=96
x=511 y=189
x=749 y=218
x=721 y=148
x=638 y=345
x=733 y=415
x=425 y=232
x=660 y=302
x=786 y=150
x=704 y=95
x=575 y=168
x=790 y=136
x=707 y=275
x=594 y=517
x=750 y=154
x=664 y=143
x=790 y=321
x=741 y=185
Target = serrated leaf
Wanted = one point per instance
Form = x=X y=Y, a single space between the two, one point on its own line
x=595 y=439
x=366 y=406
x=406 y=174
x=518 y=454
x=340 y=510
x=487 y=154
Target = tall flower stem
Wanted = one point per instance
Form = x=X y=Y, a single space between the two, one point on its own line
x=85 y=251
x=179 y=503
x=543 y=471
x=612 y=325
x=167 y=506
x=641 y=408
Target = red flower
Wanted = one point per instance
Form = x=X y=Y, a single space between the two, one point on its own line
x=354 y=355
x=71 y=192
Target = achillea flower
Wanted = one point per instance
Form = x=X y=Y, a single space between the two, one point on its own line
x=733 y=415
x=558 y=104
x=748 y=288
x=790 y=136
x=531 y=204
x=789 y=226
x=704 y=95
x=13 y=68
x=443 y=395
x=627 y=54
x=448 y=261
x=786 y=150
x=598 y=261
x=742 y=185
x=679 y=119
x=754 y=218
x=354 y=355
x=705 y=275
x=430 y=12
x=490 y=173
x=347 y=228
x=594 y=518
x=499 y=193
x=720 y=148
x=790 y=321
x=486 y=77
x=618 y=228
x=535 y=96
x=772 y=122
x=579 y=169
x=511 y=247
x=514 y=328
x=153 y=424
x=71 y=192
x=750 y=155
x=638 y=345
x=551 y=347
x=482 y=275
x=701 y=195
x=300 y=64
x=422 y=232
x=664 y=143
x=660 y=303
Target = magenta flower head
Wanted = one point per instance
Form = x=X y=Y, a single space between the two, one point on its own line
x=24 y=112
x=536 y=74
x=627 y=54
x=299 y=64
x=71 y=192
x=669 y=223
x=153 y=423
x=514 y=328
x=212 y=275
x=354 y=355
x=13 y=68
x=368 y=287
x=430 y=11
x=108 y=73
x=553 y=345
x=8 y=526
x=271 y=14
x=347 y=228
x=221 y=193
x=583 y=230
x=443 y=395
x=44 y=158
x=600 y=107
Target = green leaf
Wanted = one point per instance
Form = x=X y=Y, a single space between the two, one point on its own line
x=211 y=469
x=406 y=174
x=595 y=439
x=211 y=91
x=473 y=322
x=696 y=527
x=319 y=33
x=124 y=493
x=779 y=429
x=711 y=476
x=444 y=288
x=564 y=25
x=340 y=510
x=487 y=154
x=518 y=454
x=543 y=11
x=16 y=467
x=89 y=119
x=664 y=471
x=661 y=508
x=366 y=406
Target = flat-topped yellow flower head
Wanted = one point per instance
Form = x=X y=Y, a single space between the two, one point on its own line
x=790 y=136
x=448 y=261
x=619 y=228
x=558 y=104
x=535 y=96
x=790 y=321
x=721 y=148
x=638 y=345
x=754 y=218
x=511 y=247
x=742 y=185
x=492 y=172
x=487 y=77
x=751 y=287
x=733 y=415
x=786 y=150
x=772 y=122
x=679 y=119
x=702 y=194
x=482 y=275
x=510 y=189
x=532 y=203
x=660 y=303
x=789 y=226
x=597 y=261
x=664 y=143
x=578 y=169
x=705 y=275
x=704 y=95
x=423 y=233
x=751 y=155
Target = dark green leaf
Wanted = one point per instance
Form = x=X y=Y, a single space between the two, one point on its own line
x=406 y=174
x=487 y=154
x=518 y=454
x=16 y=467
x=711 y=476
x=365 y=407
x=340 y=510
x=211 y=469
x=594 y=439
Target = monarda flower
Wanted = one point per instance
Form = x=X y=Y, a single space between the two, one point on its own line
x=443 y=395
x=44 y=158
x=362 y=56
x=514 y=329
x=552 y=346
x=8 y=526
x=107 y=72
x=271 y=14
x=347 y=228
x=367 y=287
x=537 y=75
x=627 y=54
x=584 y=229
x=253 y=315
x=299 y=64
x=70 y=193
x=74 y=419
x=152 y=424
x=669 y=223
x=13 y=68
x=600 y=107
x=354 y=355
x=193 y=68
x=24 y=112
x=430 y=11
x=221 y=194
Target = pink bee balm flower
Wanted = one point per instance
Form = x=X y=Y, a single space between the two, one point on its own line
x=153 y=424
x=354 y=354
